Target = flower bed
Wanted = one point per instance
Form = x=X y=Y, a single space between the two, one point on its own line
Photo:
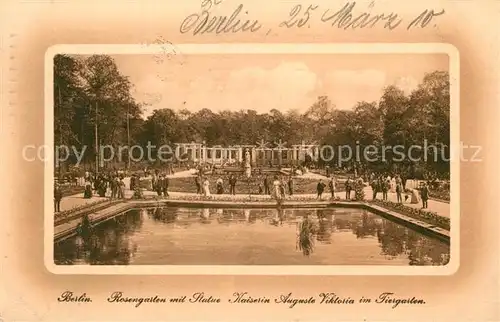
x=440 y=194
x=187 y=184
x=429 y=217
x=241 y=198
x=439 y=190
x=436 y=194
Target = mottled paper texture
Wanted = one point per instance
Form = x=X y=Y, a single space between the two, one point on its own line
x=31 y=291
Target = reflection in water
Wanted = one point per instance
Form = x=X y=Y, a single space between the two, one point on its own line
x=165 y=215
x=279 y=217
x=205 y=215
x=250 y=236
x=108 y=244
x=306 y=234
x=325 y=223
x=366 y=227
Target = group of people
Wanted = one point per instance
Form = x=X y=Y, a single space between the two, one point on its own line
x=159 y=183
x=203 y=185
x=386 y=184
x=320 y=187
x=278 y=187
x=102 y=183
x=349 y=185
x=112 y=184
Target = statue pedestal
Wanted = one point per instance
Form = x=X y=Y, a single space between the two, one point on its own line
x=248 y=171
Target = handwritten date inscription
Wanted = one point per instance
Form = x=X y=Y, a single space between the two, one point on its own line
x=298 y=17
x=349 y=16
x=346 y=18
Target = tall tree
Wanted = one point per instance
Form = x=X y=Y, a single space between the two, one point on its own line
x=109 y=100
x=67 y=91
x=369 y=126
x=91 y=91
x=393 y=105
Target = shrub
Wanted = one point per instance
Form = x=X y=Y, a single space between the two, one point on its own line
x=443 y=195
x=359 y=193
x=138 y=193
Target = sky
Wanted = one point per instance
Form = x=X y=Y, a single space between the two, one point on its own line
x=266 y=82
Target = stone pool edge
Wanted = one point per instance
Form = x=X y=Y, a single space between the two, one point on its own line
x=117 y=209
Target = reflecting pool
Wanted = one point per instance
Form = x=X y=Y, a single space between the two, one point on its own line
x=187 y=236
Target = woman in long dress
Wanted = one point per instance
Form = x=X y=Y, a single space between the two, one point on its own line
x=88 y=190
x=415 y=198
x=220 y=187
x=393 y=184
x=206 y=187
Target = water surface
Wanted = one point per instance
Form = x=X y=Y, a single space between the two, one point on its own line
x=186 y=236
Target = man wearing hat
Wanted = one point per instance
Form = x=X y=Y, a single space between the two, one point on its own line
x=58 y=195
x=159 y=185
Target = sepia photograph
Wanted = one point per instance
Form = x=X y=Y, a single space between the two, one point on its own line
x=293 y=158
x=250 y=160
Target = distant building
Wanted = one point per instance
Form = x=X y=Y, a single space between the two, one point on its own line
x=294 y=154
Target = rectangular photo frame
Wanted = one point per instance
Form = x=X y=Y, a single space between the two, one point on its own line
x=168 y=50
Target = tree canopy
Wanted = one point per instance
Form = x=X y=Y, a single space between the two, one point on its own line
x=91 y=90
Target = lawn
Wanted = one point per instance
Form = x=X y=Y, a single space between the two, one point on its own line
x=243 y=186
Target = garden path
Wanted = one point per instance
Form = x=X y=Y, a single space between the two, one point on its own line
x=69 y=202
x=439 y=207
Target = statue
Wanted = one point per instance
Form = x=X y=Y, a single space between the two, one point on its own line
x=247 y=157
x=248 y=167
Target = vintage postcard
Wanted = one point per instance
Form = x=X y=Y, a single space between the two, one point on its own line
x=218 y=160
x=160 y=163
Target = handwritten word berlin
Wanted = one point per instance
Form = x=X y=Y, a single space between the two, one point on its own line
x=349 y=16
x=205 y=22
